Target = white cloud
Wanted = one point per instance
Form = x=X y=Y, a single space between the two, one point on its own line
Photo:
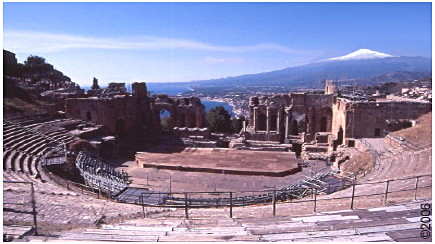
x=232 y=60
x=23 y=41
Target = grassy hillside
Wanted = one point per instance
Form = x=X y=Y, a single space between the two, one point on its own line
x=18 y=101
x=421 y=133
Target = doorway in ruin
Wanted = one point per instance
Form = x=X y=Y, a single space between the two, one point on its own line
x=340 y=136
x=323 y=124
x=262 y=122
x=120 y=128
x=273 y=122
x=377 y=132
x=165 y=121
x=294 y=128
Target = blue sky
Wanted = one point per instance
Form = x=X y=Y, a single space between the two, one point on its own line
x=172 y=42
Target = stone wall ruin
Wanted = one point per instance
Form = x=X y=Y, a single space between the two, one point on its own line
x=136 y=114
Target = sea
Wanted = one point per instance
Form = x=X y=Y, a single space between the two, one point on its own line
x=177 y=90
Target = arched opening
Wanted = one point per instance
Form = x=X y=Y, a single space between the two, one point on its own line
x=182 y=120
x=323 y=124
x=262 y=122
x=120 y=128
x=88 y=116
x=165 y=120
x=273 y=122
x=340 y=136
x=294 y=128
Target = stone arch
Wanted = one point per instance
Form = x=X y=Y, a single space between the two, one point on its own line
x=165 y=120
x=323 y=124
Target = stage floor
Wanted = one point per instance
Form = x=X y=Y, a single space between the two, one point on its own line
x=224 y=161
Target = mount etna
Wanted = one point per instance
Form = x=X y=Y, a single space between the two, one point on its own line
x=363 y=67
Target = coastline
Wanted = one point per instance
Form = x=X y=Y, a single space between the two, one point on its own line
x=236 y=110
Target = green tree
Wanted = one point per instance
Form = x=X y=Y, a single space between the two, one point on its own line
x=219 y=120
x=36 y=64
x=95 y=85
x=237 y=124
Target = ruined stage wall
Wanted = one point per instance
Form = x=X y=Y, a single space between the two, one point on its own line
x=370 y=119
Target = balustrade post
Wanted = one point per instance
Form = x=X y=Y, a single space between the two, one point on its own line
x=186 y=211
x=416 y=187
x=353 y=196
x=386 y=192
x=143 y=206
x=99 y=189
x=274 y=203
x=32 y=192
x=231 y=205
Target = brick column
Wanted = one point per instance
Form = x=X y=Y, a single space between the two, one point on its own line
x=287 y=123
x=278 y=121
x=268 y=120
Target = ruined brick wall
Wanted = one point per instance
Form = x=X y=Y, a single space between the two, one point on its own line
x=370 y=118
x=340 y=113
x=117 y=114
x=184 y=112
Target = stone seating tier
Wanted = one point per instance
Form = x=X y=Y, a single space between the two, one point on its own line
x=390 y=223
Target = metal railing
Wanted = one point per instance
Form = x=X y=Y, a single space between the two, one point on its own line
x=190 y=200
x=77 y=187
x=47 y=158
x=100 y=175
x=32 y=202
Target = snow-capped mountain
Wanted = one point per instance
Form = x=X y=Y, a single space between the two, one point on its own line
x=362 y=54
x=364 y=65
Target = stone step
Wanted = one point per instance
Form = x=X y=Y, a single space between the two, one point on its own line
x=305 y=235
x=18 y=231
x=29 y=165
x=212 y=238
x=357 y=238
x=37 y=147
x=29 y=145
x=20 y=161
x=14 y=137
x=407 y=235
x=12 y=159
x=6 y=154
x=103 y=237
